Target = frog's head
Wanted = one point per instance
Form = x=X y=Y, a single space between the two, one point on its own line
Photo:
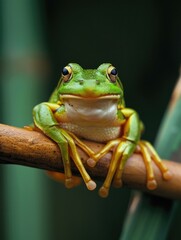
x=100 y=83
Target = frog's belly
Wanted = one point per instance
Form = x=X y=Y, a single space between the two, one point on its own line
x=98 y=134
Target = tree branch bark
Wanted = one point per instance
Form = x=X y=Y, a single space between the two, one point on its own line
x=33 y=149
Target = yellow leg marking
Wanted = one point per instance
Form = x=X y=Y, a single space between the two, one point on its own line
x=82 y=145
x=129 y=148
x=151 y=182
x=104 y=190
x=164 y=170
x=53 y=106
x=117 y=182
x=95 y=158
x=91 y=185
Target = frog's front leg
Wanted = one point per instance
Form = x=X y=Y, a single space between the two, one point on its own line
x=131 y=132
x=44 y=119
x=122 y=150
x=149 y=154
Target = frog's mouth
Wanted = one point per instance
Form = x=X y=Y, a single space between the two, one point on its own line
x=71 y=96
x=102 y=109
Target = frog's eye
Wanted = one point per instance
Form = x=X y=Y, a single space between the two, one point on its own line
x=66 y=73
x=112 y=73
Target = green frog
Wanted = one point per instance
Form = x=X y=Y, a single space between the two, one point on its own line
x=89 y=104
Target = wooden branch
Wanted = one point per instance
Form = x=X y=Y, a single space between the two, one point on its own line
x=30 y=148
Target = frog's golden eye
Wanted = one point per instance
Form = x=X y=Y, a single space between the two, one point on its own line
x=66 y=73
x=112 y=73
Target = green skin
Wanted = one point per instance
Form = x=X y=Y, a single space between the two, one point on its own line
x=89 y=88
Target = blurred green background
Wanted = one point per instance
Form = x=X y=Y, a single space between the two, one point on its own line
x=141 y=38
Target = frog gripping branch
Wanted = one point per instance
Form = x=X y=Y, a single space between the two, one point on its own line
x=89 y=104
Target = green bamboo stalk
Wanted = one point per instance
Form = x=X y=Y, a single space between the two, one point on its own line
x=150 y=217
x=21 y=81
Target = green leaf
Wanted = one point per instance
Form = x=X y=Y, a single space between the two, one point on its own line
x=149 y=217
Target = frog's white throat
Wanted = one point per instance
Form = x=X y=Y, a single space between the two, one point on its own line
x=94 y=111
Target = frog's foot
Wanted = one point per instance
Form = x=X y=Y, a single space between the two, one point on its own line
x=91 y=161
x=129 y=148
x=149 y=154
x=120 y=155
x=91 y=185
x=70 y=182
x=94 y=158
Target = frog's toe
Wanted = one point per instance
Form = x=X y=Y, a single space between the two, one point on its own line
x=117 y=183
x=167 y=175
x=151 y=184
x=91 y=185
x=72 y=182
x=91 y=162
x=69 y=183
x=103 y=192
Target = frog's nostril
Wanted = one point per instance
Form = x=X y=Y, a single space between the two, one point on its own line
x=97 y=82
x=81 y=82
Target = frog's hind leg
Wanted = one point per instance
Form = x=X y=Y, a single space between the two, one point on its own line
x=149 y=154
